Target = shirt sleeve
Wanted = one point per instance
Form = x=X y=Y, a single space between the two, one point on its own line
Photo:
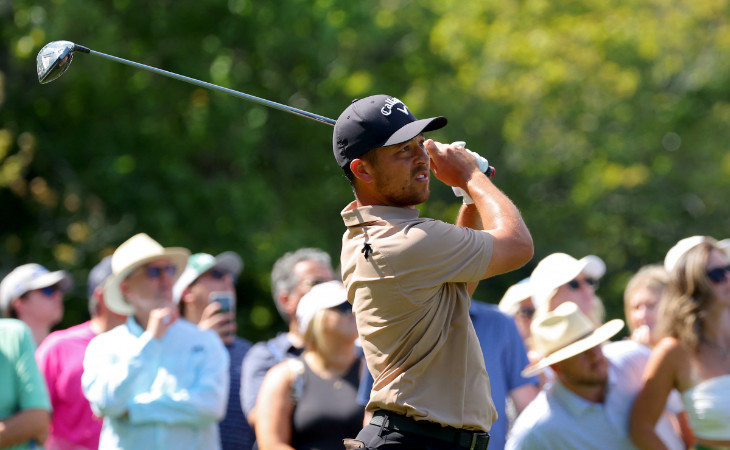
x=515 y=358
x=256 y=363
x=33 y=391
x=199 y=404
x=109 y=379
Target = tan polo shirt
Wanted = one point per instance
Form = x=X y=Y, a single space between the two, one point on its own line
x=411 y=304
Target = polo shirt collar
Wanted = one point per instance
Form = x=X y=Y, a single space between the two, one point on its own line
x=576 y=405
x=354 y=216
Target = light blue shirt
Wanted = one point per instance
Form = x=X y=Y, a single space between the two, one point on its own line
x=157 y=394
x=561 y=420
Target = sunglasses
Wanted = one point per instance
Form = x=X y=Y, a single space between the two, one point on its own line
x=344 y=308
x=575 y=284
x=527 y=313
x=217 y=273
x=156 y=271
x=50 y=290
x=718 y=274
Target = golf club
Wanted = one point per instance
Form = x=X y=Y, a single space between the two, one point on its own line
x=55 y=58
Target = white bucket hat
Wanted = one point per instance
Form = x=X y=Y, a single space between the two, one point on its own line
x=136 y=251
x=510 y=303
x=200 y=263
x=566 y=332
x=679 y=249
x=559 y=268
x=322 y=296
x=28 y=277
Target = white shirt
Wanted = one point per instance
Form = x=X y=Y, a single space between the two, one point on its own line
x=561 y=420
x=157 y=394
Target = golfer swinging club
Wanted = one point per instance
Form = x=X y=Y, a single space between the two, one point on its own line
x=410 y=279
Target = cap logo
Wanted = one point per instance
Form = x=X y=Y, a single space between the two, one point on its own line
x=390 y=102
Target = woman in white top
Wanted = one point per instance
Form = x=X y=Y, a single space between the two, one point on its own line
x=692 y=355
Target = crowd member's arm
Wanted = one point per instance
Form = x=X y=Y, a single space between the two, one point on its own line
x=492 y=211
x=23 y=426
x=522 y=396
x=256 y=364
x=274 y=409
x=660 y=377
x=201 y=403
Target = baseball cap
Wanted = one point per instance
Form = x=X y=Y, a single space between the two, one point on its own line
x=376 y=121
x=27 y=278
x=200 y=263
x=725 y=246
x=559 y=268
x=680 y=248
x=322 y=296
x=99 y=274
x=512 y=298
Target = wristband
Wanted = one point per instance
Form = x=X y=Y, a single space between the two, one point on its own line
x=483 y=166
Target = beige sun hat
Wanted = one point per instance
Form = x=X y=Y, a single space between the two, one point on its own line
x=557 y=269
x=566 y=332
x=510 y=303
x=136 y=251
x=680 y=248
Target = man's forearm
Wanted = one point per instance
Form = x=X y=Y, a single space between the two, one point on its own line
x=24 y=426
x=501 y=218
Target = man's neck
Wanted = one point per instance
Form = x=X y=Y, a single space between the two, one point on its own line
x=39 y=332
x=595 y=393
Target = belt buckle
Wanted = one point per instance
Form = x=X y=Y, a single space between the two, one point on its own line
x=473 y=445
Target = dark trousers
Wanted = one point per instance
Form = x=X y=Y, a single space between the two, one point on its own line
x=373 y=437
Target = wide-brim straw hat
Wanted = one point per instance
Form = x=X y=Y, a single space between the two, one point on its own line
x=558 y=269
x=566 y=332
x=136 y=251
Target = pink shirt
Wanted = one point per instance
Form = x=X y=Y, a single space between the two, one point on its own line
x=60 y=358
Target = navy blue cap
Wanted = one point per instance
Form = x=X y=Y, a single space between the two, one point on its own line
x=376 y=121
x=99 y=274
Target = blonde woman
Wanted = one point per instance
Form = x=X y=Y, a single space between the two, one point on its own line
x=693 y=354
x=310 y=402
x=641 y=302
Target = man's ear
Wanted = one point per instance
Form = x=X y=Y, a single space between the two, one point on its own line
x=361 y=169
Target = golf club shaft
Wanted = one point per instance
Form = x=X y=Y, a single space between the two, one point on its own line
x=204 y=84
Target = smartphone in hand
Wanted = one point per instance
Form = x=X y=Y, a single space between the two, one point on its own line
x=224 y=298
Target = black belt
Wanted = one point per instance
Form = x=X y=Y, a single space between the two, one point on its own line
x=473 y=440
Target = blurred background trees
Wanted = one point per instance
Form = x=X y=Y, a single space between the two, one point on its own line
x=607 y=122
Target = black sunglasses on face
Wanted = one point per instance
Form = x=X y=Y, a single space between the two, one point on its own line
x=344 y=308
x=49 y=290
x=156 y=271
x=718 y=274
x=527 y=313
x=575 y=284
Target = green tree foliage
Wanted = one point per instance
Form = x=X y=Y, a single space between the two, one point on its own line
x=607 y=123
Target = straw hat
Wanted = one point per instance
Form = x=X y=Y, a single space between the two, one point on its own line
x=512 y=298
x=559 y=268
x=136 y=251
x=566 y=332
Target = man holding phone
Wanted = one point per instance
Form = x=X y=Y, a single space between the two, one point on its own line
x=206 y=296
